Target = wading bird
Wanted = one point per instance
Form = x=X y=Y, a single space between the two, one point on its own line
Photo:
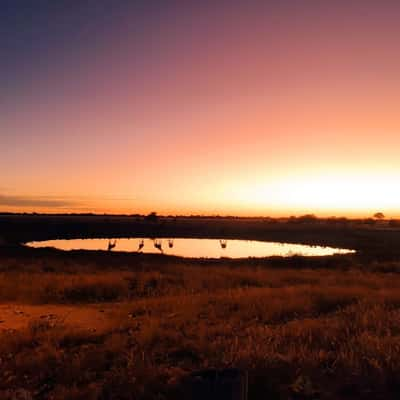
x=111 y=245
x=158 y=245
x=223 y=243
x=141 y=245
x=170 y=243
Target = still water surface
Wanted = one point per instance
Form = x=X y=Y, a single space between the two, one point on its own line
x=184 y=247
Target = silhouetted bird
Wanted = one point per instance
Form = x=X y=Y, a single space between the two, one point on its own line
x=158 y=245
x=141 y=245
x=170 y=243
x=223 y=243
x=111 y=245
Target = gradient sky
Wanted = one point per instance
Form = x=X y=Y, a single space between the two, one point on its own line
x=230 y=107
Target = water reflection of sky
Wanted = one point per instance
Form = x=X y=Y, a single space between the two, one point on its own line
x=207 y=248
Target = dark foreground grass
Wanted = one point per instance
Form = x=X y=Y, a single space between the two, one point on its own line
x=300 y=334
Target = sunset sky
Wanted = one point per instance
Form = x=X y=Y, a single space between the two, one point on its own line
x=204 y=107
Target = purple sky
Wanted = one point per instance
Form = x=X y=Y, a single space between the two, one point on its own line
x=239 y=107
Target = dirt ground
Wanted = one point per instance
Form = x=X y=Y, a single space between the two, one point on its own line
x=93 y=317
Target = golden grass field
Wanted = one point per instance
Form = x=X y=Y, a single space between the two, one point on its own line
x=75 y=326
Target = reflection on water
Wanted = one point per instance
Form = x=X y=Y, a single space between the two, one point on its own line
x=207 y=248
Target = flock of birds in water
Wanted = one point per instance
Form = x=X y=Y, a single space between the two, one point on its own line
x=157 y=243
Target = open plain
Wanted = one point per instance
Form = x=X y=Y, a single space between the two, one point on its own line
x=119 y=325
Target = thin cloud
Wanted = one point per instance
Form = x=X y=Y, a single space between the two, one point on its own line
x=29 y=201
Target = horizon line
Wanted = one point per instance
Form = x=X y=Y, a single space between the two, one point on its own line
x=96 y=214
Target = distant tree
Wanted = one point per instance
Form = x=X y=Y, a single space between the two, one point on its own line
x=307 y=218
x=379 y=216
x=152 y=217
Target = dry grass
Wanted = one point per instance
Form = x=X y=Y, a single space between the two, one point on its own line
x=323 y=333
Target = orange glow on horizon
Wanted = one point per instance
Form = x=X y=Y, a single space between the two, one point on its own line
x=325 y=195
